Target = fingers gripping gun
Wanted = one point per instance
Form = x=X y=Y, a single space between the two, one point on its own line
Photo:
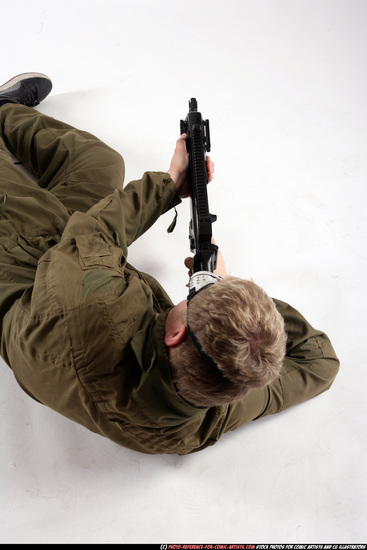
x=200 y=228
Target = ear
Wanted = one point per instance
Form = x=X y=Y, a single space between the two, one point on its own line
x=174 y=336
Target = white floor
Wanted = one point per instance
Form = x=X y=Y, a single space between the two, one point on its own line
x=283 y=83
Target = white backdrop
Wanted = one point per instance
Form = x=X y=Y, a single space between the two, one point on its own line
x=283 y=83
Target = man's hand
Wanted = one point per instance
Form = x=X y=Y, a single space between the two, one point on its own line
x=220 y=270
x=209 y=168
x=179 y=166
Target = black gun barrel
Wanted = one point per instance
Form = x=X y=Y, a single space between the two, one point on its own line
x=193 y=105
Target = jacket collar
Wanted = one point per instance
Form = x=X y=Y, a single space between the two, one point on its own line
x=156 y=392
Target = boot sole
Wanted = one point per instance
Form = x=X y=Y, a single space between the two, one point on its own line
x=23 y=76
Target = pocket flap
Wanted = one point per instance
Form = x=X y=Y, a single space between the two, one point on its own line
x=94 y=250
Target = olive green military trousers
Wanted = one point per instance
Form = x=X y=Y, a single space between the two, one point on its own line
x=74 y=171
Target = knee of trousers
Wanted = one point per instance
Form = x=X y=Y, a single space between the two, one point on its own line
x=119 y=163
x=94 y=158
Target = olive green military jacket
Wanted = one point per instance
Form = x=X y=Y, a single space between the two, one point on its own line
x=87 y=339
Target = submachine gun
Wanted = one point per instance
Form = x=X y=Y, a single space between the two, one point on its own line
x=200 y=227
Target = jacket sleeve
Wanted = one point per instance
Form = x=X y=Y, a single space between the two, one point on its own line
x=309 y=368
x=128 y=213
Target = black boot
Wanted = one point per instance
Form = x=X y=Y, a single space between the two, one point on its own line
x=27 y=88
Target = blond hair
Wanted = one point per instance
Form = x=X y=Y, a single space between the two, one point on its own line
x=237 y=325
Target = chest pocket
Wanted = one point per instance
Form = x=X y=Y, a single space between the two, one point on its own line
x=94 y=251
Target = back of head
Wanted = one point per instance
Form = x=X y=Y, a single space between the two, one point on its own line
x=238 y=325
